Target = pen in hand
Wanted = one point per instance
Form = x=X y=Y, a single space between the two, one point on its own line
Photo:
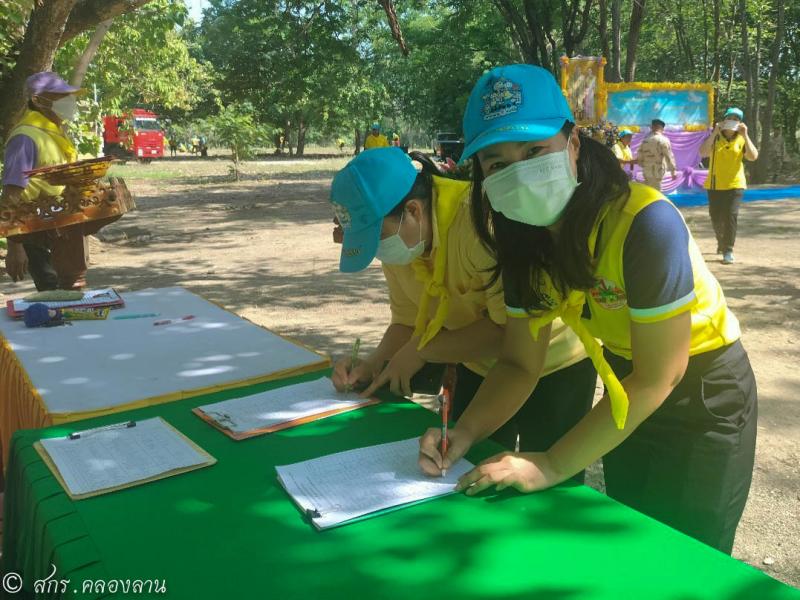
x=446 y=401
x=353 y=360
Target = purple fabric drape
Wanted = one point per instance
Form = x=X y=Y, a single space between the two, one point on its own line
x=686 y=148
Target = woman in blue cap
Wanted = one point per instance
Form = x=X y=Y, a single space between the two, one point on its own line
x=574 y=238
x=444 y=307
x=727 y=147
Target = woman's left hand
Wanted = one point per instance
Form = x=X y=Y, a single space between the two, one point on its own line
x=399 y=371
x=526 y=472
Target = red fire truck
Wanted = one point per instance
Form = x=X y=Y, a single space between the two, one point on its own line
x=136 y=134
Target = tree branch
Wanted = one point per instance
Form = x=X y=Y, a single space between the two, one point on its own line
x=89 y=13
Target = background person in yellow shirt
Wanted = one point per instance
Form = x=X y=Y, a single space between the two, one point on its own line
x=726 y=148
x=375 y=139
x=444 y=306
x=622 y=149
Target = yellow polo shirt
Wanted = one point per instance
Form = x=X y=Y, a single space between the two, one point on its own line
x=726 y=164
x=622 y=152
x=467 y=276
x=375 y=141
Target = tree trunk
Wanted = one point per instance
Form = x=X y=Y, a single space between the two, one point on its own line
x=792 y=124
x=602 y=30
x=615 y=63
x=715 y=70
x=301 y=137
x=85 y=59
x=637 y=17
x=766 y=158
x=755 y=69
x=747 y=65
x=37 y=51
x=521 y=32
x=357 y=141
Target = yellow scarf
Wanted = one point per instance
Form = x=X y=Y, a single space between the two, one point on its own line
x=570 y=311
x=35 y=119
x=447 y=199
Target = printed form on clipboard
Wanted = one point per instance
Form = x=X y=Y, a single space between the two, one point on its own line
x=279 y=408
x=340 y=488
x=106 y=459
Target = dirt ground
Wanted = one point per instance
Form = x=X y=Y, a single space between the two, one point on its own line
x=262 y=247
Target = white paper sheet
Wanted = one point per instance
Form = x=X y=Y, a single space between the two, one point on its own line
x=90 y=297
x=106 y=459
x=277 y=406
x=347 y=485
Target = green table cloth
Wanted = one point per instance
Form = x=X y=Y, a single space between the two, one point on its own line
x=230 y=531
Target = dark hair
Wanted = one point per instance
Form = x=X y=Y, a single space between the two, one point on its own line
x=423 y=185
x=523 y=252
x=657 y=123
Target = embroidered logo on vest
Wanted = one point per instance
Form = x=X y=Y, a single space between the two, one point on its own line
x=608 y=294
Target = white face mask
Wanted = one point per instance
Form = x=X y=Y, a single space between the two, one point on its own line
x=65 y=108
x=393 y=250
x=730 y=125
x=534 y=191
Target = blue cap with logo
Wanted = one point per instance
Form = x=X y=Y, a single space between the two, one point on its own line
x=624 y=132
x=513 y=103
x=362 y=194
x=734 y=112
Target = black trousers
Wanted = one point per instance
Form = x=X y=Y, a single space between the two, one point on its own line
x=560 y=400
x=723 y=207
x=690 y=464
x=40 y=266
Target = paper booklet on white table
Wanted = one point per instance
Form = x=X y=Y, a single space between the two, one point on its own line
x=118 y=456
x=338 y=488
x=279 y=408
x=91 y=299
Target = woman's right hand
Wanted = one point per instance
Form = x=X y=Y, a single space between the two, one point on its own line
x=344 y=378
x=16 y=261
x=430 y=457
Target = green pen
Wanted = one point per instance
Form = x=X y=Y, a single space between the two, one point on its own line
x=353 y=360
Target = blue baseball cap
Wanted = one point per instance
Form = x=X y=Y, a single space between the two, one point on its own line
x=513 y=103
x=362 y=194
x=735 y=112
x=624 y=132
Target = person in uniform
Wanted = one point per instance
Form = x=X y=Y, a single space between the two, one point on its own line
x=655 y=155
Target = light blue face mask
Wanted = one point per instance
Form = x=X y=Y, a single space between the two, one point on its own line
x=534 y=191
x=393 y=250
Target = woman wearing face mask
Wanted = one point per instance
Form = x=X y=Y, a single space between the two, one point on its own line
x=727 y=147
x=574 y=238
x=443 y=308
x=53 y=259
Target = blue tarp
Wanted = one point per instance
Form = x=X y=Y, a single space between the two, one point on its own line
x=701 y=199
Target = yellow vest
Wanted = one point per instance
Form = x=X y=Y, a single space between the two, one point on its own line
x=52 y=148
x=726 y=165
x=713 y=325
x=375 y=141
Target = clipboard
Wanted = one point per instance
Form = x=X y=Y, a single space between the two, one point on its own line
x=279 y=408
x=244 y=435
x=46 y=458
